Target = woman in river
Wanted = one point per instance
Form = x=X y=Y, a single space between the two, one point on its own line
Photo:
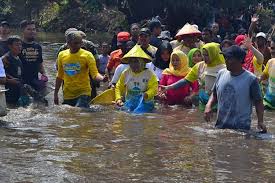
x=194 y=57
x=205 y=72
x=162 y=59
x=137 y=85
x=177 y=70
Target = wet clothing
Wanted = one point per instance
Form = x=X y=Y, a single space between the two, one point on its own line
x=3 y=48
x=172 y=75
x=131 y=84
x=206 y=73
x=91 y=47
x=177 y=96
x=13 y=68
x=81 y=101
x=103 y=61
x=236 y=96
x=31 y=57
x=75 y=70
x=269 y=98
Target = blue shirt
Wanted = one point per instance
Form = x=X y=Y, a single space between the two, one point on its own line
x=103 y=61
x=236 y=95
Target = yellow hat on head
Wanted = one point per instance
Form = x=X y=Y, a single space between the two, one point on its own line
x=136 y=52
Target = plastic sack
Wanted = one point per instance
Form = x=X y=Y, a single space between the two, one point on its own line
x=137 y=104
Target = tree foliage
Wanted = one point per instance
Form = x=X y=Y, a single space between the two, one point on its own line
x=54 y=14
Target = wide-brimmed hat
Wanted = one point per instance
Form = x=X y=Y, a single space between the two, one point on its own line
x=136 y=52
x=188 y=29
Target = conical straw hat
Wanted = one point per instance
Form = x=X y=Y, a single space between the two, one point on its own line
x=136 y=52
x=188 y=29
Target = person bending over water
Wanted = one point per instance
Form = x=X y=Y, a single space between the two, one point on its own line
x=137 y=85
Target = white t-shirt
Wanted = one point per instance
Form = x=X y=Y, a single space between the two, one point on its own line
x=2 y=70
x=119 y=70
x=157 y=71
x=122 y=67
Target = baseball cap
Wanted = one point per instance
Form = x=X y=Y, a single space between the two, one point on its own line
x=122 y=37
x=234 y=52
x=239 y=39
x=261 y=34
x=145 y=31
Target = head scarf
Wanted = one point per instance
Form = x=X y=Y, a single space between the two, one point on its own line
x=184 y=68
x=190 y=56
x=158 y=61
x=214 y=54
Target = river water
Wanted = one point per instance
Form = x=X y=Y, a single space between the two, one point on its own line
x=64 y=144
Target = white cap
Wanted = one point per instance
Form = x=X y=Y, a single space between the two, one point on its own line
x=261 y=34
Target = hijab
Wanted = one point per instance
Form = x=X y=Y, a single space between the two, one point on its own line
x=158 y=61
x=184 y=68
x=190 y=56
x=214 y=54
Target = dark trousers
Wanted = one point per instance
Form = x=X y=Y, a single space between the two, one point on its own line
x=81 y=101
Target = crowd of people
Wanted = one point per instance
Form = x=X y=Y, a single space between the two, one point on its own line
x=146 y=65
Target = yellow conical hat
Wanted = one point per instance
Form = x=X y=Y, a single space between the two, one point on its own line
x=188 y=29
x=136 y=52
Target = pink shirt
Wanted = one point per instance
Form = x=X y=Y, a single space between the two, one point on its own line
x=177 y=96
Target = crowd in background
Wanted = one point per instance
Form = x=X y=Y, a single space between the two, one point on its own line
x=226 y=67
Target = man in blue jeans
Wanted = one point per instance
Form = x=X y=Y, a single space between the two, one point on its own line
x=235 y=91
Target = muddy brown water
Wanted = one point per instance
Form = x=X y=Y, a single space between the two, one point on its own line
x=64 y=144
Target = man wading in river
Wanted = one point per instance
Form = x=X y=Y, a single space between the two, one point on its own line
x=31 y=57
x=75 y=65
x=235 y=90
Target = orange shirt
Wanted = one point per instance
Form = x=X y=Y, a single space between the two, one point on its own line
x=115 y=59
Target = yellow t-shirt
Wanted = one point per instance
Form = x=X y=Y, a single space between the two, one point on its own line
x=269 y=68
x=258 y=68
x=196 y=72
x=75 y=69
x=269 y=71
x=131 y=83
